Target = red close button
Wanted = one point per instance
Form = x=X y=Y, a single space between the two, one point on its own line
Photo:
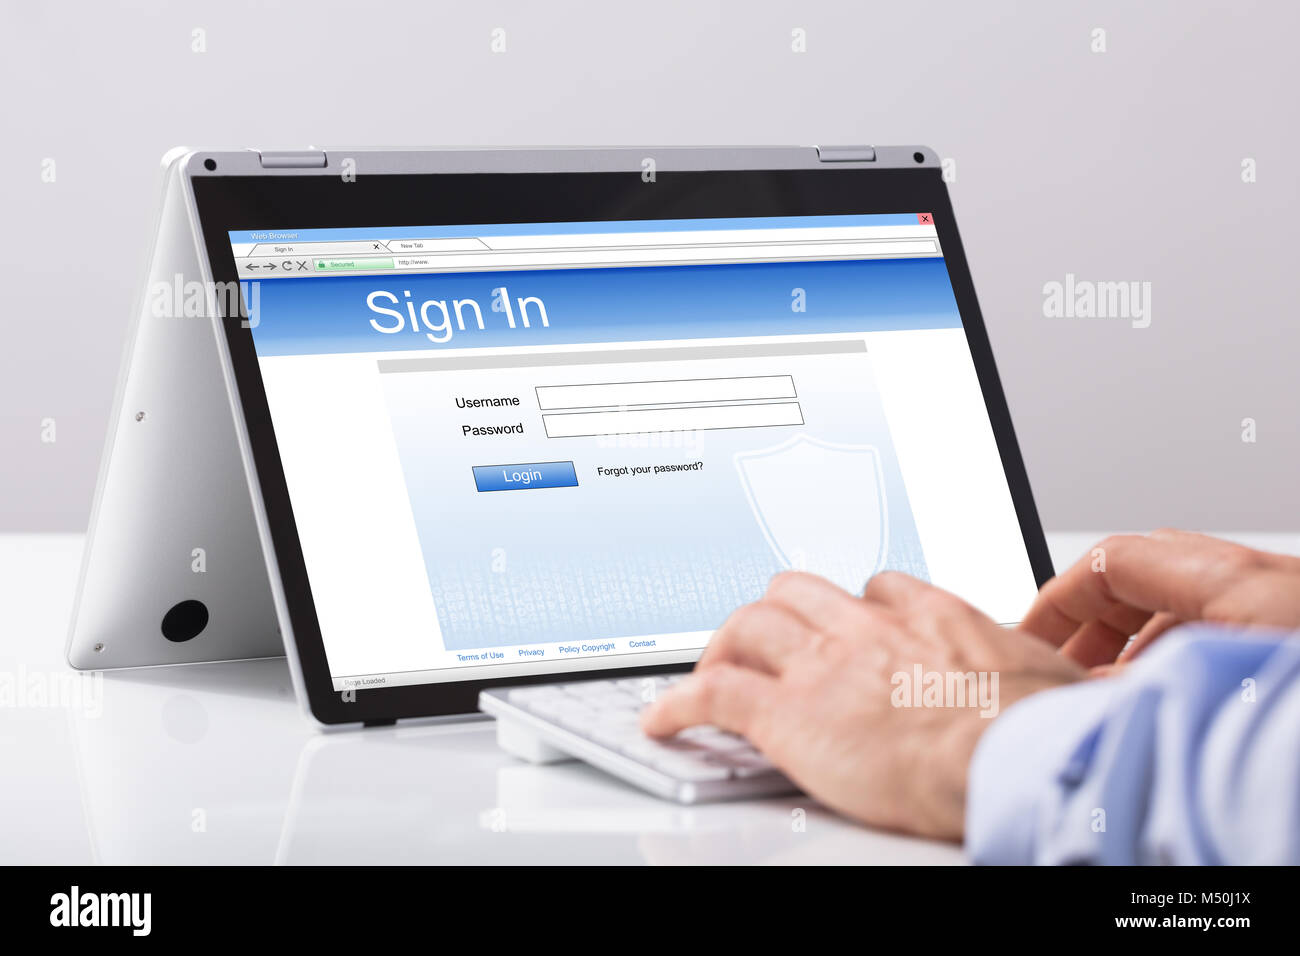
x=925 y=219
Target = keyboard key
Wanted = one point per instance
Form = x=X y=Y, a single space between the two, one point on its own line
x=522 y=696
x=614 y=702
x=695 y=770
x=557 y=708
x=615 y=718
x=745 y=765
x=616 y=735
x=579 y=720
x=646 y=749
x=714 y=739
x=645 y=689
x=623 y=701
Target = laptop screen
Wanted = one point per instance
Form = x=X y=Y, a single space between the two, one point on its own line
x=537 y=448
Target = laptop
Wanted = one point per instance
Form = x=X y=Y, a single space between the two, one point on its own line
x=513 y=431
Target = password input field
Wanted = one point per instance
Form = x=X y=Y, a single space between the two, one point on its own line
x=622 y=394
x=681 y=419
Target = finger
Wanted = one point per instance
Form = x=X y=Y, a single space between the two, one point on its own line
x=1095 y=643
x=896 y=590
x=1121 y=582
x=913 y=601
x=1093 y=639
x=1207 y=544
x=1153 y=628
x=725 y=695
x=761 y=636
x=822 y=605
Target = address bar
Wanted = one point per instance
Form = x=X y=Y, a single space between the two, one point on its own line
x=656 y=255
x=703 y=237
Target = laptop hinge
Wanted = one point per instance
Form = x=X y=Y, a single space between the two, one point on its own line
x=846 y=154
x=292 y=159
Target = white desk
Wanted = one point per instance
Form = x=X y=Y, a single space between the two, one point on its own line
x=214 y=764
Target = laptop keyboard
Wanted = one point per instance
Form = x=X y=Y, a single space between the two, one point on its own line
x=598 y=721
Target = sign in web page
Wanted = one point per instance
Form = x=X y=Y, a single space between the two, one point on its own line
x=535 y=448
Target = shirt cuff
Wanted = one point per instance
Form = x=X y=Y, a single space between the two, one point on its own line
x=1020 y=764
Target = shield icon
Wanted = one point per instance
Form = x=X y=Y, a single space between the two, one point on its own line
x=821 y=506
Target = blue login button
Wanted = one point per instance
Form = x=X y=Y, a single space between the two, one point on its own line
x=544 y=474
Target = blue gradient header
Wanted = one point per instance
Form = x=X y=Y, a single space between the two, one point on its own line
x=408 y=312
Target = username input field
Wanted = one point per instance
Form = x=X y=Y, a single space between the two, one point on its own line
x=679 y=419
x=681 y=391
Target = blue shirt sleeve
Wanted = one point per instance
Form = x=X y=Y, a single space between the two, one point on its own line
x=1190 y=756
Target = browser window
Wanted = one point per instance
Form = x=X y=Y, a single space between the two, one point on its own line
x=531 y=448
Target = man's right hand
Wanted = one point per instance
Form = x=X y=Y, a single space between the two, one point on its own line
x=1144 y=585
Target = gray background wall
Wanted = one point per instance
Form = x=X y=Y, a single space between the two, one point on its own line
x=1115 y=166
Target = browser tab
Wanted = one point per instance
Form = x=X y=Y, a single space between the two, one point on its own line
x=435 y=245
x=313 y=248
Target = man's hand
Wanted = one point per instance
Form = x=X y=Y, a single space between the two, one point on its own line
x=1131 y=584
x=807 y=674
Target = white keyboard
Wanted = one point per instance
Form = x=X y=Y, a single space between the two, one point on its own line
x=596 y=721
